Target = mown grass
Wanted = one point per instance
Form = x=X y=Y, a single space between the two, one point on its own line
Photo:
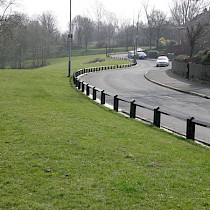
x=60 y=150
x=95 y=51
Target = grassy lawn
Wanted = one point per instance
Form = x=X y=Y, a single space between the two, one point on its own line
x=94 y=51
x=60 y=150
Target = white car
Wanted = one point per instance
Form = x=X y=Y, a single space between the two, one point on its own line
x=141 y=55
x=131 y=54
x=162 y=61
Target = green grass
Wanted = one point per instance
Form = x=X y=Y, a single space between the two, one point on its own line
x=95 y=51
x=60 y=150
x=84 y=52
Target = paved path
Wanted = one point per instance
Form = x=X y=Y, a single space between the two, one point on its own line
x=171 y=80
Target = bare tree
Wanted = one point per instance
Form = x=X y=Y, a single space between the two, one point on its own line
x=83 y=28
x=125 y=34
x=35 y=47
x=194 y=33
x=99 y=14
x=5 y=5
x=38 y=40
x=137 y=27
x=9 y=41
x=111 y=25
x=17 y=45
x=156 y=24
x=187 y=14
x=87 y=30
x=184 y=11
x=48 y=22
x=77 y=29
x=147 y=29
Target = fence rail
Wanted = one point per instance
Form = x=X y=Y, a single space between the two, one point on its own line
x=131 y=111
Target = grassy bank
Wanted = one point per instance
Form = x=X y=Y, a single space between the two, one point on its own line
x=60 y=150
x=95 y=51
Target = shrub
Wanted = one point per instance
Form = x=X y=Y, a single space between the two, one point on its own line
x=152 y=53
x=163 y=41
x=203 y=57
x=206 y=58
x=181 y=58
x=196 y=59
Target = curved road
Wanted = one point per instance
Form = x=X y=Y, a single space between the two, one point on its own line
x=131 y=84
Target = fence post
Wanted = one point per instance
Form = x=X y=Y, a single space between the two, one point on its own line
x=76 y=82
x=79 y=84
x=102 y=97
x=87 y=90
x=190 y=131
x=94 y=93
x=83 y=86
x=133 y=109
x=157 y=115
x=116 y=103
x=74 y=78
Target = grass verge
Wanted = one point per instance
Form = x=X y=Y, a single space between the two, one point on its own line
x=59 y=150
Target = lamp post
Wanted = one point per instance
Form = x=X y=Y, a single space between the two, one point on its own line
x=69 y=40
x=106 y=49
x=135 y=48
x=136 y=42
x=107 y=46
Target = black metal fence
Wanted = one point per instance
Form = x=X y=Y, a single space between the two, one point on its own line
x=132 y=108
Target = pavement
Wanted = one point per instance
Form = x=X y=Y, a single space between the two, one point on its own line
x=167 y=78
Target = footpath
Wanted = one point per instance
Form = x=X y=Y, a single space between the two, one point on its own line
x=166 y=78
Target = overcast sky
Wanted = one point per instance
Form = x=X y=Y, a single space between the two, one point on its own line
x=124 y=9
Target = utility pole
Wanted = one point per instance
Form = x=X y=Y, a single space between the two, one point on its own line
x=70 y=41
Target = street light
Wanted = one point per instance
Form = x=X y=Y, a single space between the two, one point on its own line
x=69 y=40
x=107 y=46
x=135 y=48
x=106 y=49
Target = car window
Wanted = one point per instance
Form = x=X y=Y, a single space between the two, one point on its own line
x=162 y=58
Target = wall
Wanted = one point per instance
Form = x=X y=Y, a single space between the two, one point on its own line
x=197 y=71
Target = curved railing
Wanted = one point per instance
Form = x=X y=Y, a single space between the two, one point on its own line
x=130 y=108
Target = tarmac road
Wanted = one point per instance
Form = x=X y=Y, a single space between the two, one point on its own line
x=131 y=84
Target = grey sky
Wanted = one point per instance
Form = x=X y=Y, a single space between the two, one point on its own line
x=123 y=9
